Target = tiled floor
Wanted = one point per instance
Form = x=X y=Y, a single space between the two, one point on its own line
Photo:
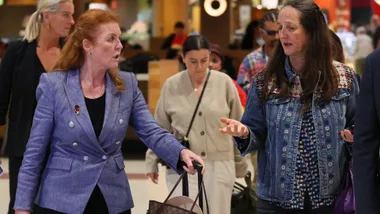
x=143 y=189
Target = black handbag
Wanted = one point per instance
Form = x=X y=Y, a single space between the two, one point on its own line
x=185 y=141
x=244 y=198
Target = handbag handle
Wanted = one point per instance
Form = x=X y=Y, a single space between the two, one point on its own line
x=201 y=188
x=197 y=106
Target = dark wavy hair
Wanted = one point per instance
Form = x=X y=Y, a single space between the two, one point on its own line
x=319 y=71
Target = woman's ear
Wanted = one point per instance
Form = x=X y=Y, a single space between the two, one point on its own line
x=45 y=17
x=87 y=46
x=183 y=57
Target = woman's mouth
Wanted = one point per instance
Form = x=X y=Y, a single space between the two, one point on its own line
x=116 y=57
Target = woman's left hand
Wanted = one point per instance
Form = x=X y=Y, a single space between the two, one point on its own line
x=347 y=136
x=188 y=156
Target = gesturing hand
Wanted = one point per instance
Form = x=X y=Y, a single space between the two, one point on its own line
x=234 y=128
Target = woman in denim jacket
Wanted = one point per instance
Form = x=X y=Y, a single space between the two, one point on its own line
x=297 y=111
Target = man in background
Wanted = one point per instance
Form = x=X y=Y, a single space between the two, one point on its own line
x=256 y=61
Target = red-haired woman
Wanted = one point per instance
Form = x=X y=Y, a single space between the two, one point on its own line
x=82 y=115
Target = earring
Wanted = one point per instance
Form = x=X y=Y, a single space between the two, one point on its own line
x=89 y=53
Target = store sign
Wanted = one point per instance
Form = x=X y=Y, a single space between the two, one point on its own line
x=343 y=14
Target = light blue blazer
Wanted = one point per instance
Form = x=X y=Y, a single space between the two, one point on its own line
x=79 y=160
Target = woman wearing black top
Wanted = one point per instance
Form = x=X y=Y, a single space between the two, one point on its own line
x=20 y=70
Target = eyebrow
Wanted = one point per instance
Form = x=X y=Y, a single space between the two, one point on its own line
x=287 y=22
x=201 y=59
x=112 y=34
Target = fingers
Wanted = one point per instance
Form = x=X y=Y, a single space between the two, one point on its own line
x=155 y=178
x=199 y=160
x=225 y=120
x=189 y=165
x=236 y=129
x=347 y=136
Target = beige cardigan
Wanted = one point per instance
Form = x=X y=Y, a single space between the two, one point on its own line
x=176 y=106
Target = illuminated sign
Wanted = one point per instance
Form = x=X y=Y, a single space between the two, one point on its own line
x=215 y=7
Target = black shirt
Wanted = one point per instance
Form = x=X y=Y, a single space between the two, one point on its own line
x=20 y=71
x=96 y=108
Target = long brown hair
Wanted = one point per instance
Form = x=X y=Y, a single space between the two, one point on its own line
x=318 y=67
x=87 y=27
x=337 y=47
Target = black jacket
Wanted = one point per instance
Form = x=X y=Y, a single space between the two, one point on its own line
x=168 y=42
x=20 y=71
x=367 y=139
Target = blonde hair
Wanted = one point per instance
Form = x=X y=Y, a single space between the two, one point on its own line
x=33 y=27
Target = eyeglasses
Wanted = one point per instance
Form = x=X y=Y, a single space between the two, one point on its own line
x=270 y=32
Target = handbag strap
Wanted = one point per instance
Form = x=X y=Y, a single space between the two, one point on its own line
x=196 y=108
x=201 y=189
x=175 y=186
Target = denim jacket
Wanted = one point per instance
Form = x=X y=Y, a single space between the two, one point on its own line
x=275 y=127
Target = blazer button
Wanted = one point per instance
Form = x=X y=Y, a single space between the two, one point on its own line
x=200 y=113
x=121 y=121
x=117 y=142
x=203 y=154
x=71 y=124
x=85 y=158
x=104 y=157
x=202 y=133
x=75 y=144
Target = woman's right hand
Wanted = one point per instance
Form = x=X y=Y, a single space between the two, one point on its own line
x=22 y=212
x=153 y=177
x=234 y=128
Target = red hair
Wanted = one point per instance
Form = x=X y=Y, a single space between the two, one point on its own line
x=87 y=27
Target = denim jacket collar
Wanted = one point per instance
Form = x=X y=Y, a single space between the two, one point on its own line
x=289 y=70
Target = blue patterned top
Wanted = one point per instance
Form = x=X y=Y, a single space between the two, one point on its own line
x=307 y=173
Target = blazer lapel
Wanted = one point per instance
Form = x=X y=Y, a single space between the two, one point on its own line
x=112 y=108
x=75 y=96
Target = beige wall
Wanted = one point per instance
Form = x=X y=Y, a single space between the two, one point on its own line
x=166 y=13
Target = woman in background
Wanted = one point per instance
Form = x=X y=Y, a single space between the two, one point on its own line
x=216 y=63
x=20 y=69
x=176 y=105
